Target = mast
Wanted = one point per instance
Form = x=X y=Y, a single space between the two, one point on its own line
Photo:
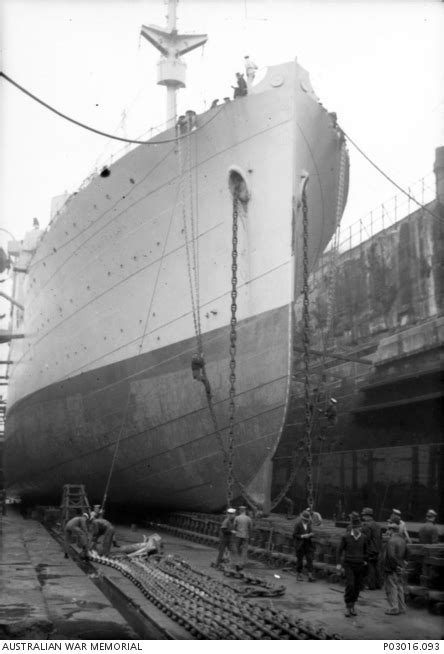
x=171 y=68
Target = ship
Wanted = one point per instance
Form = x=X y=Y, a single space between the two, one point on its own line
x=157 y=309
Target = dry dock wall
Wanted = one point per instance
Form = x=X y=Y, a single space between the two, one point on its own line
x=386 y=307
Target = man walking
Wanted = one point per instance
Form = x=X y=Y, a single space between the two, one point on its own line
x=353 y=560
x=372 y=531
x=226 y=536
x=243 y=527
x=394 y=556
x=304 y=545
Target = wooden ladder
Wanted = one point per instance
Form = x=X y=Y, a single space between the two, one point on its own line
x=74 y=502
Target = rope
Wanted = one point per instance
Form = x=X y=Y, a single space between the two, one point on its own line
x=92 y=129
x=422 y=206
x=173 y=140
x=187 y=244
x=125 y=413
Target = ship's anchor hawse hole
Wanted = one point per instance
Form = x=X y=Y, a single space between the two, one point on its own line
x=238 y=185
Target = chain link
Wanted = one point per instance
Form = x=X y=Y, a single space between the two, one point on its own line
x=185 y=231
x=233 y=338
x=306 y=347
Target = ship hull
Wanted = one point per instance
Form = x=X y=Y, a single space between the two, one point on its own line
x=135 y=275
x=157 y=416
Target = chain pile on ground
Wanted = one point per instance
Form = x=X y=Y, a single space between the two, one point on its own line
x=206 y=607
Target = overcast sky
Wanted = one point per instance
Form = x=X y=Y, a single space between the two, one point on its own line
x=377 y=64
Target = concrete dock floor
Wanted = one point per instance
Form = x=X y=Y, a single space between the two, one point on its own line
x=43 y=595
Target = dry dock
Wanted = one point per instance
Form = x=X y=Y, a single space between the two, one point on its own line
x=46 y=596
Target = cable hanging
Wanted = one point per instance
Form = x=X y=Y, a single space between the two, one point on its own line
x=93 y=129
x=392 y=181
x=174 y=139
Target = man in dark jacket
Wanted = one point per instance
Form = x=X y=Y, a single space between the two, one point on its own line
x=304 y=545
x=353 y=560
x=372 y=531
x=226 y=536
x=394 y=556
x=241 y=88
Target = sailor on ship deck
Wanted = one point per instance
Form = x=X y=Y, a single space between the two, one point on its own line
x=241 y=88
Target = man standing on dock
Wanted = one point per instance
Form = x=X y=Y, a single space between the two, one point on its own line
x=243 y=526
x=372 y=531
x=396 y=516
x=394 y=556
x=226 y=536
x=428 y=532
x=304 y=546
x=353 y=560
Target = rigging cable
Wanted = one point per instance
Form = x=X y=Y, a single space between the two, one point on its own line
x=173 y=140
x=392 y=181
x=125 y=412
x=93 y=129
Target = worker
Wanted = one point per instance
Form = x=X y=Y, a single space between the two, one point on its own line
x=226 y=536
x=315 y=517
x=243 y=527
x=372 y=531
x=150 y=545
x=181 y=125
x=77 y=533
x=250 y=70
x=304 y=545
x=101 y=529
x=394 y=556
x=402 y=526
x=97 y=511
x=290 y=506
x=241 y=88
x=353 y=561
x=428 y=532
x=331 y=411
x=3 y=501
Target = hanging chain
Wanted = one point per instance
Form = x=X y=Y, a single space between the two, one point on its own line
x=340 y=203
x=306 y=347
x=228 y=452
x=233 y=337
x=194 y=242
x=185 y=231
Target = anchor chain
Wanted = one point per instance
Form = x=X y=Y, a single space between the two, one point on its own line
x=233 y=338
x=306 y=350
x=205 y=607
